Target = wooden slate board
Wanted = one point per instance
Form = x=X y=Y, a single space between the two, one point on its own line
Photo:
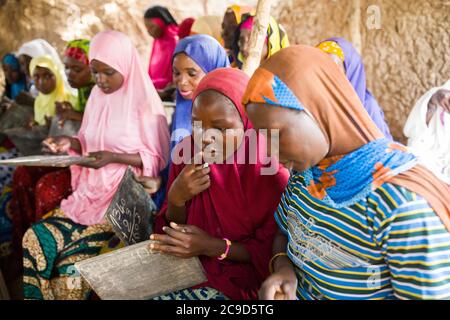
x=70 y=128
x=16 y=117
x=135 y=273
x=130 y=212
x=28 y=141
x=46 y=161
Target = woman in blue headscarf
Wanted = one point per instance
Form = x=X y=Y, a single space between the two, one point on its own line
x=194 y=57
x=345 y=55
x=15 y=79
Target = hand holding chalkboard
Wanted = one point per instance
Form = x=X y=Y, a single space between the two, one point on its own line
x=130 y=211
x=134 y=272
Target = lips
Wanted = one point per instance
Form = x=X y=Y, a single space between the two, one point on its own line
x=186 y=93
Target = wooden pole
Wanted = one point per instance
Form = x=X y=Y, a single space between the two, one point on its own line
x=258 y=36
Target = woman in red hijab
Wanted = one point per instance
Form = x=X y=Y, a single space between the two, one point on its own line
x=222 y=212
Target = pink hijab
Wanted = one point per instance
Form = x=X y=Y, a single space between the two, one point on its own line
x=130 y=120
x=160 y=66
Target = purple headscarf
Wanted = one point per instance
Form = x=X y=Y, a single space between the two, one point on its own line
x=354 y=70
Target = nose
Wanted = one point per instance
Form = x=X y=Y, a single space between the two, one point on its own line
x=183 y=79
x=100 y=79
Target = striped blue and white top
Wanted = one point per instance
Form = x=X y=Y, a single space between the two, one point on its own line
x=391 y=245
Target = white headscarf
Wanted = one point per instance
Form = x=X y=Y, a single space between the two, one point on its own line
x=38 y=48
x=431 y=143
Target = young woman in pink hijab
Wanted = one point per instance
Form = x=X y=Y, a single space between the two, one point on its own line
x=163 y=28
x=123 y=125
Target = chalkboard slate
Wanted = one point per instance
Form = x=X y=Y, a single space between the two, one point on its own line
x=130 y=211
x=136 y=273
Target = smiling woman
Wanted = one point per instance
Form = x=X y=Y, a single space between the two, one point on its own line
x=193 y=58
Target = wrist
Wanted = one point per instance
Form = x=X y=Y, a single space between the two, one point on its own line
x=279 y=261
x=283 y=263
x=174 y=198
x=216 y=247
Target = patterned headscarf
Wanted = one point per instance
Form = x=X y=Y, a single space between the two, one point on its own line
x=277 y=38
x=304 y=78
x=79 y=50
x=332 y=47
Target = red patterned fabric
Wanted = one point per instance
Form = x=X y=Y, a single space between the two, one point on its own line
x=36 y=191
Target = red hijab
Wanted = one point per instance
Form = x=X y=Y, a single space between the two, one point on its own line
x=239 y=204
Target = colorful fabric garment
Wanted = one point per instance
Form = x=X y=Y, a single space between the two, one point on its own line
x=390 y=245
x=355 y=72
x=5 y=223
x=209 y=55
x=346 y=126
x=130 y=120
x=79 y=50
x=51 y=248
x=39 y=47
x=185 y=27
x=204 y=293
x=332 y=47
x=412 y=193
x=44 y=104
x=35 y=192
x=12 y=90
x=239 y=11
x=6 y=172
x=160 y=66
x=430 y=142
x=231 y=207
x=277 y=39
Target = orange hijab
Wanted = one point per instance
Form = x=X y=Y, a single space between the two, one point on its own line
x=329 y=98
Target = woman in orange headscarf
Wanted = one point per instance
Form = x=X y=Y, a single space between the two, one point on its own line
x=360 y=218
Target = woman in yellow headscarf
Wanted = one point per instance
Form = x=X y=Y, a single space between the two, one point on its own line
x=231 y=20
x=276 y=39
x=51 y=82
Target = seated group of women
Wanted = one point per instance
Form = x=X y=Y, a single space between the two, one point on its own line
x=347 y=214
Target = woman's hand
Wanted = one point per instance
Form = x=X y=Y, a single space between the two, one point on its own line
x=102 y=158
x=25 y=98
x=56 y=145
x=66 y=112
x=191 y=181
x=151 y=185
x=281 y=285
x=185 y=241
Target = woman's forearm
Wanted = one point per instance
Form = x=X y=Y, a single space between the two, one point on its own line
x=279 y=246
x=133 y=160
x=176 y=213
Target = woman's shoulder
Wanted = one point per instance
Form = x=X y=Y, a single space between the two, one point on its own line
x=390 y=200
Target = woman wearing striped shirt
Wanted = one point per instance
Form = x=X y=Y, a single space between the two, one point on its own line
x=359 y=219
